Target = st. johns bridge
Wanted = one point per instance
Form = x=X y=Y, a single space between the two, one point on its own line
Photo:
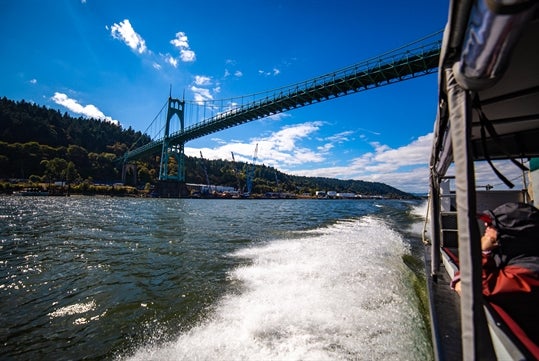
x=410 y=61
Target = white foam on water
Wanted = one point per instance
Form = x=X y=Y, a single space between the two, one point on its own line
x=419 y=227
x=74 y=309
x=339 y=293
x=420 y=210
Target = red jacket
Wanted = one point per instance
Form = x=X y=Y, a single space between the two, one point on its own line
x=515 y=288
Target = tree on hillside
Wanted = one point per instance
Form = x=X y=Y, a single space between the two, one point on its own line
x=59 y=169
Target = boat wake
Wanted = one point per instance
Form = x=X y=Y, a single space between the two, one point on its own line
x=340 y=292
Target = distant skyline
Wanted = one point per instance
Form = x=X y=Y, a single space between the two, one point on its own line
x=117 y=61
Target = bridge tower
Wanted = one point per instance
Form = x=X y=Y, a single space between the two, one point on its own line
x=175 y=107
x=172 y=185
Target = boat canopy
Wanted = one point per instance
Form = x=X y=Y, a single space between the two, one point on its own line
x=488 y=110
x=503 y=88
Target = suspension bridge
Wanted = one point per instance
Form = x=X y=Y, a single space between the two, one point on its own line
x=410 y=61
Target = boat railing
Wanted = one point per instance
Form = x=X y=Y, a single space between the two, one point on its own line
x=449 y=229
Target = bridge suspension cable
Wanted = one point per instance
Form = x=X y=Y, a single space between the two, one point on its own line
x=149 y=126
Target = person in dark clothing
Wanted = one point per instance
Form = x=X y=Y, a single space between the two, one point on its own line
x=510 y=261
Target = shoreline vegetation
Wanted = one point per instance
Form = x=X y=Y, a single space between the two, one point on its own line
x=38 y=189
x=54 y=153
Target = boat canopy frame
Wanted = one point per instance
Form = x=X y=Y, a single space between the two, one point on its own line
x=488 y=66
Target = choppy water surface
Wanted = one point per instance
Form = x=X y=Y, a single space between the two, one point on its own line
x=162 y=279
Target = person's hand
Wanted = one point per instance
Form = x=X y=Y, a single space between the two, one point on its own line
x=457 y=287
x=489 y=241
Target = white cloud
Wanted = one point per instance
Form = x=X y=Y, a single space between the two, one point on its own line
x=201 y=95
x=486 y=176
x=405 y=167
x=202 y=80
x=368 y=131
x=286 y=138
x=417 y=152
x=237 y=73
x=278 y=116
x=340 y=137
x=182 y=43
x=90 y=110
x=278 y=149
x=33 y=81
x=273 y=72
x=171 y=60
x=187 y=56
x=325 y=148
x=125 y=32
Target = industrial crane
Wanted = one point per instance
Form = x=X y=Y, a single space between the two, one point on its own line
x=251 y=172
x=205 y=171
x=236 y=172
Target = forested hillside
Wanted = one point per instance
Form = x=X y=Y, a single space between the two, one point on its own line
x=24 y=122
x=44 y=145
x=41 y=142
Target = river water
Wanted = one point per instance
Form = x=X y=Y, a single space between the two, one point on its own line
x=193 y=279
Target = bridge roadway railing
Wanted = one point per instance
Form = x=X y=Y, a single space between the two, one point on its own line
x=368 y=74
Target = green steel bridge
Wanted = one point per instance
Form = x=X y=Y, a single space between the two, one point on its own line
x=407 y=62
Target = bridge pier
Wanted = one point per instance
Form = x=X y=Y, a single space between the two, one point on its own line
x=129 y=169
x=171 y=189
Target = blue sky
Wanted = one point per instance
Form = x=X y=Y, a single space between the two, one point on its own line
x=117 y=60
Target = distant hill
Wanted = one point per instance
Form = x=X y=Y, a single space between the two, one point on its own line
x=41 y=143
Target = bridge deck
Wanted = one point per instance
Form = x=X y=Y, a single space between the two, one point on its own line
x=369 y=74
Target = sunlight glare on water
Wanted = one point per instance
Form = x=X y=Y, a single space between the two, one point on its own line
x=335 y=293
